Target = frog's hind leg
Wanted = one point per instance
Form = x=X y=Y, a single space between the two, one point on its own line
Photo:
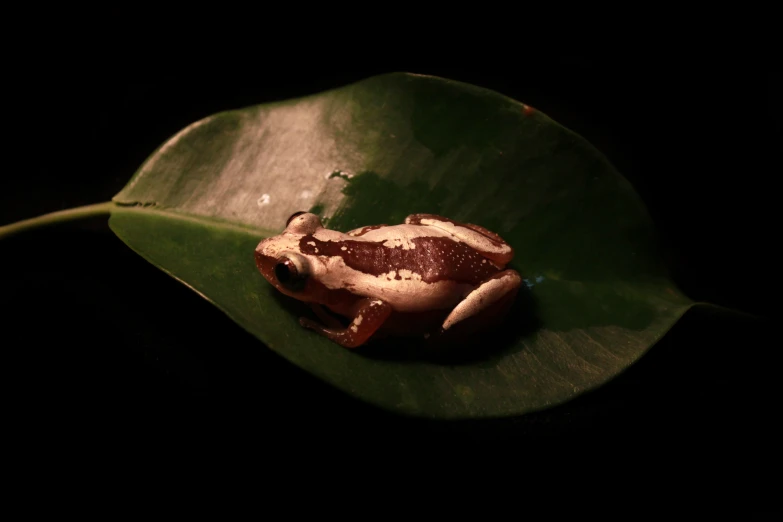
x=487 y=302
x=370 y=316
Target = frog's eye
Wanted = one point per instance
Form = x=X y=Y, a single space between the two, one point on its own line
x=291 y=272
x=294 y=215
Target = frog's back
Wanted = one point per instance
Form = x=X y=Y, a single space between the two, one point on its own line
x=406 y=252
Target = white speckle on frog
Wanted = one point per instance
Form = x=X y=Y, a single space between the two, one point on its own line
x=344 y=248
x=305 y=194
x=407 y=274
x=354 y=329
x=311 y=243
x=358 y=320
x=263 y=200
x=403 y=242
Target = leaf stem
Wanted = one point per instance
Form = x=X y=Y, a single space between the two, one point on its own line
x=60 y=216
x=726 y=310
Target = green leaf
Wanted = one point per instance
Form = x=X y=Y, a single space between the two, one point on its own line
x=597 y=294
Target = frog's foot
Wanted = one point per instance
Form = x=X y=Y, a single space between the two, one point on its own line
x=372 y=313
x=487 y=301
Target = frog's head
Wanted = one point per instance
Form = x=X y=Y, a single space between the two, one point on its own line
x=281 y=261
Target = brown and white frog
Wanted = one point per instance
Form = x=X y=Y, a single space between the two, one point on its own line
x=428 y=276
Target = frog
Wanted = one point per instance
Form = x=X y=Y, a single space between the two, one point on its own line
x=428 y=276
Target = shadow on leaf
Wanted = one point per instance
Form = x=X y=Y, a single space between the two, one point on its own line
x=481 y=347
x=484 y=346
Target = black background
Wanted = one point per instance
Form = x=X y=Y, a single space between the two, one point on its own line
x=108 y=352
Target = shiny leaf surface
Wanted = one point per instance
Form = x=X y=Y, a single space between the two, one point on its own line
x=597 y=295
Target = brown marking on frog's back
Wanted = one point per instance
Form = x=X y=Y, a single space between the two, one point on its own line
x=361 y=231
x=432 y=258
x=415 y=219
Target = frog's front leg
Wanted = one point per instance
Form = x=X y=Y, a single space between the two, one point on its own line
x=371 y=314
x=493 y=294
x=324 y=316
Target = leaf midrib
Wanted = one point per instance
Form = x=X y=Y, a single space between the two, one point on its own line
x=169 y=213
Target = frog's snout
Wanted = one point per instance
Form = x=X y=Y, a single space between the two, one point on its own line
x=264 y=262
